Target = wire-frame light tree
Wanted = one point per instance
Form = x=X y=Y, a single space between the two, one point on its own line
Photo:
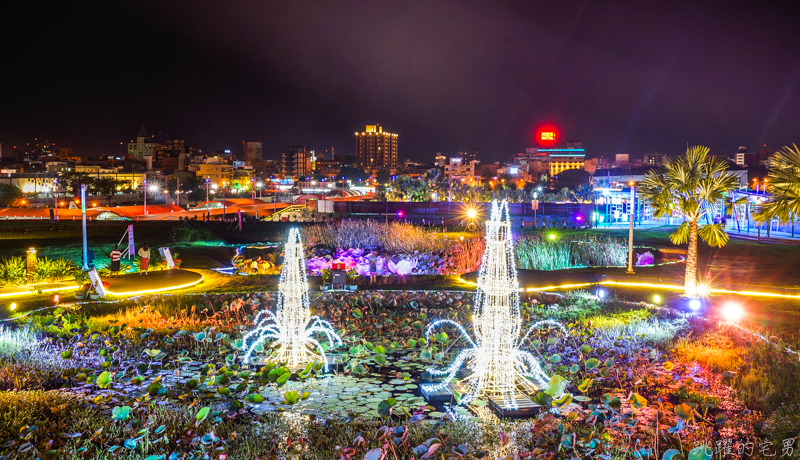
x=291 y=326
x=498 y=367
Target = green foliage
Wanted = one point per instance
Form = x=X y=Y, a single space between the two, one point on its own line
x=25 y=408
x=10 y=196
x=693 y=185
x=187 y=233
x=13 y=270
x=538 y=252
x=784 y=181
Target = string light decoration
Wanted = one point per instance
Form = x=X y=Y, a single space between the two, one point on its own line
x=291 y=326
x=498 y=367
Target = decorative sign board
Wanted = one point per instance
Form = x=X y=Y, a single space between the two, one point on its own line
x=131 y=248
x=97 y=284
x=167 y=255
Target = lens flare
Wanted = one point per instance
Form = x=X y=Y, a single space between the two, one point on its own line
x=732 y=312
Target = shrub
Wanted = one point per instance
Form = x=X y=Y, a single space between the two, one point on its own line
x=188 y=234
x=538 y=252
x=12 y=341
x=21 y=408
x=715 y=351
x=370 y=234
x=12 y=271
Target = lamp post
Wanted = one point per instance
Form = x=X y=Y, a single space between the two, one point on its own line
x=224 y=183
x=630 y=233
x=83 y=225
x=207 y=182
x=144 y=189
x=55 y=198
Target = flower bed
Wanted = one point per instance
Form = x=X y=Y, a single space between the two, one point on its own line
x=461 y=257
x=401 y=249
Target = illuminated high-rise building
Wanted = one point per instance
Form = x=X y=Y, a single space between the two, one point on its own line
x=143 y=147
x=376 y=149
x=297 y=162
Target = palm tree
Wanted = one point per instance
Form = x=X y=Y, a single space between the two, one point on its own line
x=784 y=178
x=693 y=185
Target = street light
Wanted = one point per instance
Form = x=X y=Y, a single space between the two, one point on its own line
x=144 y=189
x=630 y=232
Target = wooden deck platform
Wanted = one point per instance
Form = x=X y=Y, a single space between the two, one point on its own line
x=525 y=405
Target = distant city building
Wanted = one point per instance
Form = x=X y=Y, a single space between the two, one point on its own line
x=441 y=160
x=253 y=151
x=591 y=165
x=376 y=149
x=467 y=155
x=764 y=156
x=655 y=159
x=328 y=168
x=618 y=178
x=534 y=164
x=142 y=147
x=297 y=162
x=741 y=156
x=571 y=157
x=464 y=172
x=214 y=169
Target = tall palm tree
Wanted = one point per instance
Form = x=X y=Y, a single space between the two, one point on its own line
x=693 y=185
x=784 y=178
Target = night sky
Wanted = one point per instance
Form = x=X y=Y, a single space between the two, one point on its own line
x=623 y=77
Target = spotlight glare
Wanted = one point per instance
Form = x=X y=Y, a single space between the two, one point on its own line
x=13 y=306
x=656 y=298
x=552 y=236
x=703 y=289
x=732 y=312
x=471 y=213
x=694 y=304
x=601 y=293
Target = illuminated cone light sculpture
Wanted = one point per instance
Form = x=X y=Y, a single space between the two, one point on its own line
x=291 y=326
x=498 y=367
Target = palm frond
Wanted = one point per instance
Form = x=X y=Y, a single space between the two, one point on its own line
x=713 y=235
x=681 y=234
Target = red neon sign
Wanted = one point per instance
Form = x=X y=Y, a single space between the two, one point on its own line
x=546 y=135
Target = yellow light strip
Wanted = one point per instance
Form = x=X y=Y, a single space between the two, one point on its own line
x=563 y=286
x=673 y=287
x=152 y=291
x=757 y=293
x=32 y=292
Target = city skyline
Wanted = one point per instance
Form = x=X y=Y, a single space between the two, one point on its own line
x=651 y=79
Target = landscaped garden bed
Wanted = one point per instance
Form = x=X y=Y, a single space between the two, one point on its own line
x=162 y=374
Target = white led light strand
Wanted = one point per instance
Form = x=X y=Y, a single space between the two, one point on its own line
x=291 y=326
x=498 y=366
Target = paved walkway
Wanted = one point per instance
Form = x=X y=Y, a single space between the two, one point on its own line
x=30 y=289
x=123 y=285
x=155 y=281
